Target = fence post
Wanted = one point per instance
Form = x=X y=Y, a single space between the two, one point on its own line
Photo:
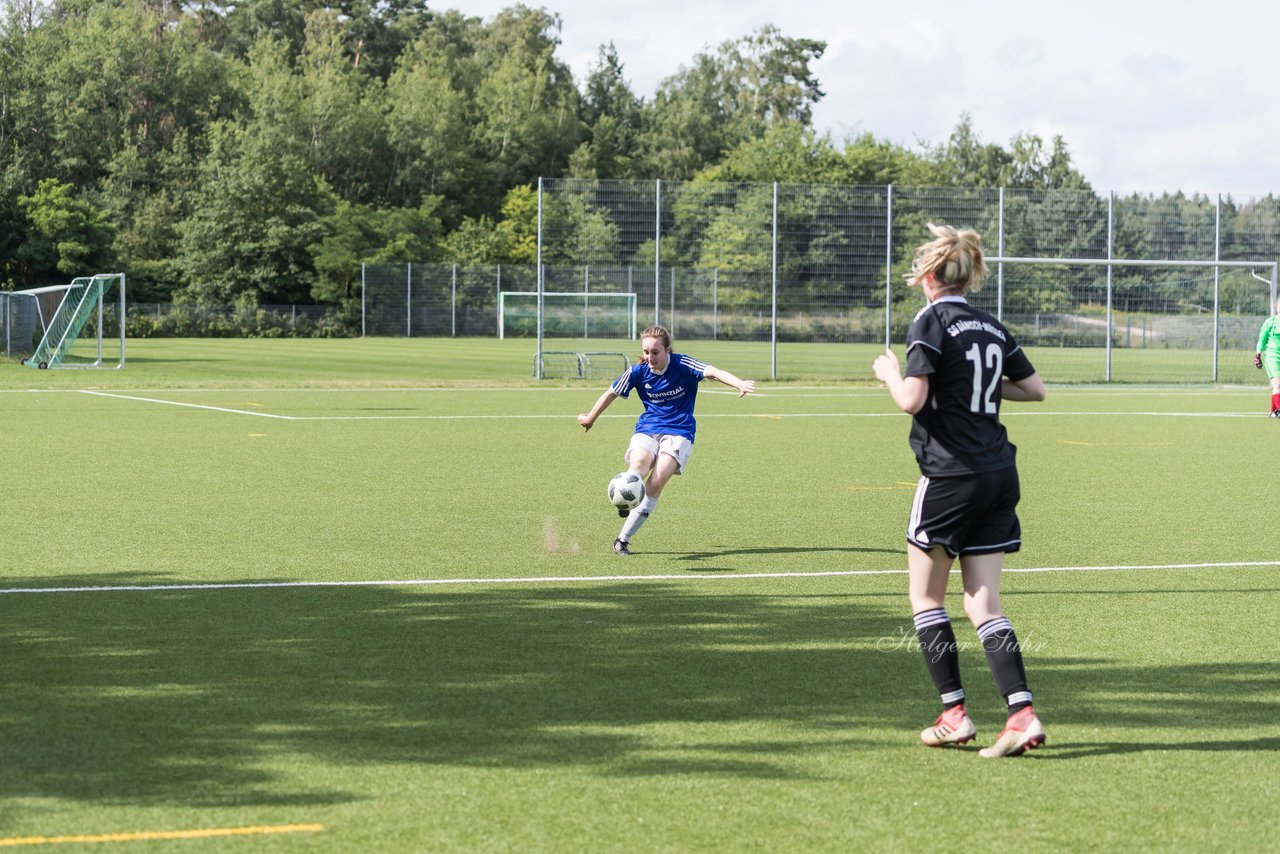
x=774 y=325
x=657 y=250
x=497 y=298
x=1000 y=266
x=1111 y=232
x=453 y=302
x=408 y=300
x=538 y=358
x=1217 y=256
x=363 y=331
x=715 y=303
x=671 y=322
x=888 y=269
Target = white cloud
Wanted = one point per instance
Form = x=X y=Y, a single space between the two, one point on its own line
x=1147 y=100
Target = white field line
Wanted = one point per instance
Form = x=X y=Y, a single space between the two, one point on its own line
x=519 y=417
x=781 y=390
x=630 y=417
x=1020 y=413
x=588 y=579
x=189 y=405
x=786 y=391
x=707 y=415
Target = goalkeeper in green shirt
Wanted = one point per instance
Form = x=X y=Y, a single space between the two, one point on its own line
x=1268 y=356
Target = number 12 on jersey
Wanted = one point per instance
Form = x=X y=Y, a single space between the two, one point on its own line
x=983 y=401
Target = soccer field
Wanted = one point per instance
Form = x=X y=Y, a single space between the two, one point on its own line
x=360 y=595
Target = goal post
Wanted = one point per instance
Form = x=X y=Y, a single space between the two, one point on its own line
x=583 y=314
x=579 y=365
x=73 y=325
x=1144 y=320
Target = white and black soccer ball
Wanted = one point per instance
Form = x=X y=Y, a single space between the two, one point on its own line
x=626 y=489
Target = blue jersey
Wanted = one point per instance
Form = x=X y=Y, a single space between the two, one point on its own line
x=668 y=397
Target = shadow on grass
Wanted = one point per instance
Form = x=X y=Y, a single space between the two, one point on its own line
x=186 y=697
x=136 y=360
x=1080 y=750
x=780 y=550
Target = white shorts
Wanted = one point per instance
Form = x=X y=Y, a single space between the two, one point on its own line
x=677 y=447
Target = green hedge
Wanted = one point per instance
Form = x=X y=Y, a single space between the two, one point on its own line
x=247 y=321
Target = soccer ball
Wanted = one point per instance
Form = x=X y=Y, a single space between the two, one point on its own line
x=626 y=489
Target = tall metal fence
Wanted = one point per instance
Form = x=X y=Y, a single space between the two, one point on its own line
x=1070 y=268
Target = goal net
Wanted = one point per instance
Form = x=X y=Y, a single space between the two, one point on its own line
x=75 y=325
x=567 y=315
x=1133 y=320
x=579 y=365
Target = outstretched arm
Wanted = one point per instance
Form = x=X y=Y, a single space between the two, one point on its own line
x=744 y=387
x=586 y=419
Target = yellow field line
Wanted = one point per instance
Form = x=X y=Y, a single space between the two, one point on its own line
x=1116 y=444
x=15 y=841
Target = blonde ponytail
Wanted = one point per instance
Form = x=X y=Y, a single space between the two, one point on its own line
x=953 y=258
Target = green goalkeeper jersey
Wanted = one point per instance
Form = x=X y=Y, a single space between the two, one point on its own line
x=1269 y=338
x=1269 y=347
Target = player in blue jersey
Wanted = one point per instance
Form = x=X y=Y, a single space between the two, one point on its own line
x=667 y=385
x=961 y=362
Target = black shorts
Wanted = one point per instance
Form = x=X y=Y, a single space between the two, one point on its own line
x=967 y=515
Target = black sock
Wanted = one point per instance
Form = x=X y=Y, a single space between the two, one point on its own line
x=1004 y=657
x=938 y=645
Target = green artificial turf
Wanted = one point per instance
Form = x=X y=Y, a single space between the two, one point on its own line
x=364 y=590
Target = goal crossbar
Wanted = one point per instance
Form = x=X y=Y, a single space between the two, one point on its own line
x=1273 y=266
x=58 y=314
x=586 y=299
x=1210 y=264
x=1128 y=262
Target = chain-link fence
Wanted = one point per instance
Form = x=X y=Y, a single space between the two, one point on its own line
x=1070 y=269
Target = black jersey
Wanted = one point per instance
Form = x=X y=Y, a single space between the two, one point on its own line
x=964 y=353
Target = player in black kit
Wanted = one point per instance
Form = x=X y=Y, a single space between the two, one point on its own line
x=961 y=362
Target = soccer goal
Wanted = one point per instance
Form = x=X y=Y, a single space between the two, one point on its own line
x=1134 y=320
x=567 y=315
x=75 y=325
x=558 y=364
x=579 y=365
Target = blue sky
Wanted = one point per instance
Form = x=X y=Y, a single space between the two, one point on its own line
x=1149 y=97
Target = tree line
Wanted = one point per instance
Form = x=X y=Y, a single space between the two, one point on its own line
x=260 y=151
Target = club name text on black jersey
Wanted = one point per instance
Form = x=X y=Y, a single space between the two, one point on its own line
x=964 y=353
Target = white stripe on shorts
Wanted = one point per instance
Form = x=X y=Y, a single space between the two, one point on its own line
x=917 y=506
